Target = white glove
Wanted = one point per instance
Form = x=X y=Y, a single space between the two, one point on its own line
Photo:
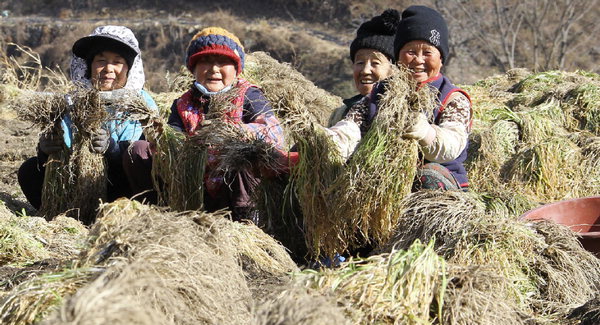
x=421 y=131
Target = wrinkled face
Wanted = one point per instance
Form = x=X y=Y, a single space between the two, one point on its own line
x=369 y=67
x=215 y=72
x=422 y=58
x=109 y=71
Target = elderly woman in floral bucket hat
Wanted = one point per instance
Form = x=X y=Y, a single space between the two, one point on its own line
x=108 y=59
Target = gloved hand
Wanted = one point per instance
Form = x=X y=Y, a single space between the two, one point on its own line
x=100 y=140
x=421 y=130
x=50 y=143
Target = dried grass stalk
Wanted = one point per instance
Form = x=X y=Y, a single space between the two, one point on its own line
x=178 y=168
x=33 y=300
x=429 y=215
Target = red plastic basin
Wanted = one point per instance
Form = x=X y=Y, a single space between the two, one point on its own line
x=581 y=215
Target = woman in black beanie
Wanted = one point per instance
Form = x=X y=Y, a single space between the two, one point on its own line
x=422 y=47
x=373 y=56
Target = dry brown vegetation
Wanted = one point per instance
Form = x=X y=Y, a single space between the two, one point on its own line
x=450 y=257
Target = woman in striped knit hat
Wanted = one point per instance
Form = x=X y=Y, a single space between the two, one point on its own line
x=216 y=58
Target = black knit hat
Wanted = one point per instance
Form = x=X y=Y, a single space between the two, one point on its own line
x=422 y=23
x=378 y=34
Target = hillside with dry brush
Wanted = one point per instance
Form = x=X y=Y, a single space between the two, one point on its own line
x=441 y=257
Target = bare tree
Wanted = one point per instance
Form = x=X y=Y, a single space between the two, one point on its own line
x=537 y=34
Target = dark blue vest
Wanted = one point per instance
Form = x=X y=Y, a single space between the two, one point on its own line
x=444 y=88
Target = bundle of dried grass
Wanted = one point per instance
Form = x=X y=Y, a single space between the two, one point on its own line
x=258 y=252
x=299 y=306
x=439 y=216
x=25 y=240
x=17 y=245
x=288 y=90
x=35 y=299
x=318 y=167
x=382 y=169
x=395 y=288
x=178 y=168
x=75 y=177
x=479 y=295
x=571 y=274
x=549 y=169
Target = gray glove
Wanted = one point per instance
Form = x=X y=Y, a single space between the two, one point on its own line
x=100 y=140
x=50 y=143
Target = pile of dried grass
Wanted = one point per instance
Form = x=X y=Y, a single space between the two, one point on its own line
x=183 y=268
x=542 y=266
x=395 y=288
x=288 y=91
x=25 y=240
x=479 y=295
x=529 y=134
x=299 y=306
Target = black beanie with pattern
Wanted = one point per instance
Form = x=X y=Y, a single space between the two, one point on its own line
x=425 y=24
x=378 y=34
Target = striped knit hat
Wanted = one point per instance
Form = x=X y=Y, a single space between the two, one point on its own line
x=215 y=40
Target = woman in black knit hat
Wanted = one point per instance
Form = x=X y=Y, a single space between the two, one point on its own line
x=422 y=47
x=372 y=54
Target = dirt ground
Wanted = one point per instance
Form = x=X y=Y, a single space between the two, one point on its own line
x=19 y=140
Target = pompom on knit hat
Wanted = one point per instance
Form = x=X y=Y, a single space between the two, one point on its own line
x=422 y=23
x=378 y=34
x=216 y=41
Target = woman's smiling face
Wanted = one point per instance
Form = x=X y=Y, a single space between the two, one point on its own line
x=422 y=58
x=369 y=67
x=109 y=71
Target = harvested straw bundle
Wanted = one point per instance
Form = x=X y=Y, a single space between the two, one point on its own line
x=299 y=306
x=543 y=263
x=318 y=167
x=381 y=170
x=479 y=295
x=24 y=240
x=570 y=275
x=288 y=91
x=178 y=170
x=33 y=300
x=395 y=288
x=434 y=216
